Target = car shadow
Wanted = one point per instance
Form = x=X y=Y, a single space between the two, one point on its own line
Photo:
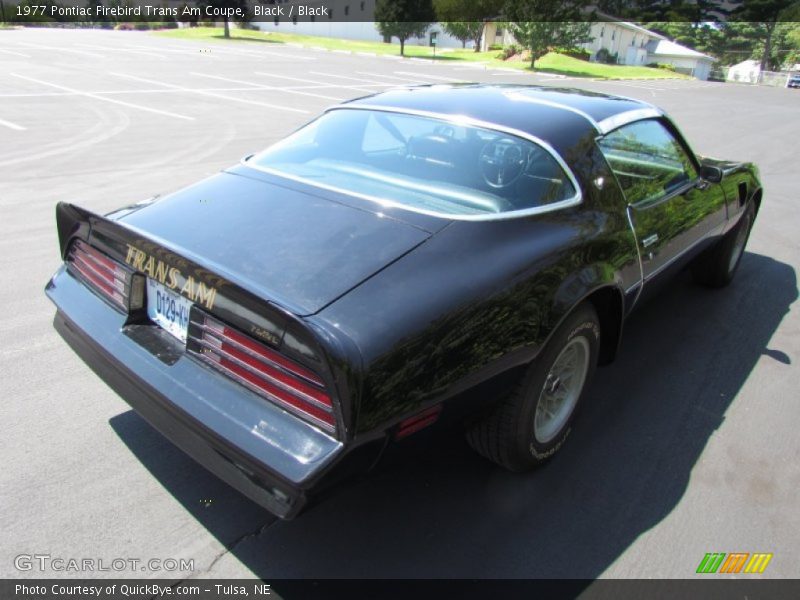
x=438 y=510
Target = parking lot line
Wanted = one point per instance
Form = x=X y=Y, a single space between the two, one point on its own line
x=363 y=88
x=103 y=98
x=210 y=94
x=11 y=125
x=434 y=77
x=128 y=50
x=162 y=50
x=348 y=78
x=392 y=77
x=15 y=53
x=256 y=86
x=62 y=49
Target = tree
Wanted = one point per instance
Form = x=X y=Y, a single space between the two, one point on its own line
x=224 y=6
x=540 y=25
x=403 y=19
x=763 y=17
x=465 y=19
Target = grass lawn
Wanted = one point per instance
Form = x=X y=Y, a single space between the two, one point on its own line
x=551 y=63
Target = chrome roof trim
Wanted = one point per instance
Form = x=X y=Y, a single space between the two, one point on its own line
x=629 y=116
x=456 y=120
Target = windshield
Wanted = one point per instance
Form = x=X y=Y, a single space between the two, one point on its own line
x=421 y=163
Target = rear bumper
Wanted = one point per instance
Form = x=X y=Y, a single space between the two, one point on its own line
x=270 y=456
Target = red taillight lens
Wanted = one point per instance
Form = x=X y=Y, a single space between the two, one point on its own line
x=106 y=276
x=263 y=370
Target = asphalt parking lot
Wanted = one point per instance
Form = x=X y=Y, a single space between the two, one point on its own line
x=688 y=444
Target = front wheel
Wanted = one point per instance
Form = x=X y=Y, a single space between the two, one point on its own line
x=534 y=420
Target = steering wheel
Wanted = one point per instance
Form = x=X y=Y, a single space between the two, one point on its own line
x=502 y=162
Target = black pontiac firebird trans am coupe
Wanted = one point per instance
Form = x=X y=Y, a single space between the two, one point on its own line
x=468 y=251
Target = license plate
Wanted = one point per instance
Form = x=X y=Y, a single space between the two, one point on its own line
x=168 y=310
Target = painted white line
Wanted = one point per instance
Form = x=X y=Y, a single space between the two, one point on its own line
x=38 y=95
x=15 y=53
x=129 y=50
x=434 y=77
x=364 y=82
x=635 y=85
x=502 y=71
x=62 y=49
x=210 y=94
x=262 y=53
x=104 y=99
x=248 y=88
x=256 y=86
x=157 y=49
x=101 y=131
x=11 y=125
x=363 y=88
x=370 y=74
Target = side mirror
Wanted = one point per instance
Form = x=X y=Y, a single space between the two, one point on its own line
x=712 y=174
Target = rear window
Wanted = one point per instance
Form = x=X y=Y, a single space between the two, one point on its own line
x=421 y=163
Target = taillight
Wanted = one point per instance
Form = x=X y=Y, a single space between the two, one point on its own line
x=263 y=370
x=106 y=276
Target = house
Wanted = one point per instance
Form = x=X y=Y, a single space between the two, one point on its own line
x=626 y=44
x=627 y=41
x=685 y=60
x=349 y=20
x=747 y=71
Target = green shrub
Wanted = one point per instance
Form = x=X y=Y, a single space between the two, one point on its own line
x=578 y=53
x=604 y=56
x=510 y=51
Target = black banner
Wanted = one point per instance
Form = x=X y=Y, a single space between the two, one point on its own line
x=358 y=11
x=711 y=588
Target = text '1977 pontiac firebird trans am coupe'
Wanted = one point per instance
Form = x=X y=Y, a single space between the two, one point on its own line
x=462 y=250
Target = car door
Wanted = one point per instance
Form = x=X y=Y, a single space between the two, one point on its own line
x=672 y=210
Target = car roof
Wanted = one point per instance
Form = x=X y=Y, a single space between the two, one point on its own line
x=562 y=117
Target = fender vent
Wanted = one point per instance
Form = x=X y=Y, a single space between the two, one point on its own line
x=742 y=193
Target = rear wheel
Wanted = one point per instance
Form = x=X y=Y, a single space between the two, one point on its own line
x=718 y=266
x=534 y=420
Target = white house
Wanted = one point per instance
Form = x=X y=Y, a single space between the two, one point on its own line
x=747 y=71
x=685 y=60
x=627 y=41
x=350 y=30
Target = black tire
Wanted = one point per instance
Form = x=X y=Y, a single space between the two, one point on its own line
x=717 y=267
x=508 y=435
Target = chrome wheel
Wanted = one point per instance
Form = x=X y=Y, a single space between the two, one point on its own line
x=739 y=242
x=561 y=389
